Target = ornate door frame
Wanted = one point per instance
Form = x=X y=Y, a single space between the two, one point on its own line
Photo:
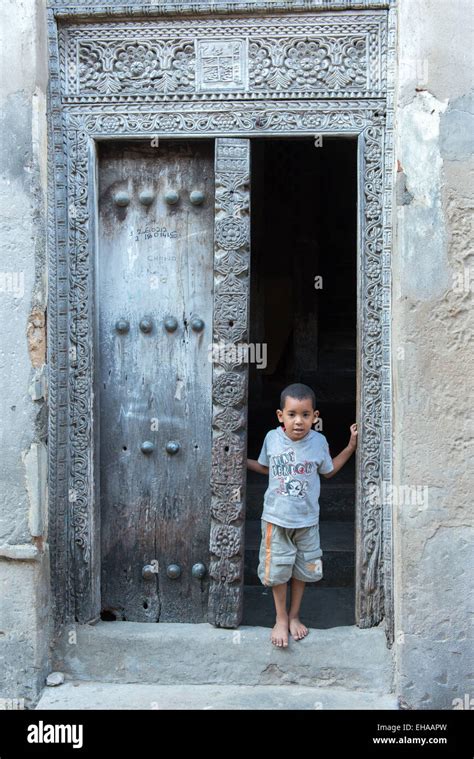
x=338 y=82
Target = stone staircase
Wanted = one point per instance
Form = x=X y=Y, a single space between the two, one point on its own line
x=129 y=665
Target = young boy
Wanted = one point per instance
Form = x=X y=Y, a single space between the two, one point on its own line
x=293 y=456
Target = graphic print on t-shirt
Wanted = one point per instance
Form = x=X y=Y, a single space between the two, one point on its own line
x=292 y=496
x=291 y=487
x=284 y=468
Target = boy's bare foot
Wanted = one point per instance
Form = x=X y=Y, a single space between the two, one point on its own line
x=297 y=628
x=280 y=633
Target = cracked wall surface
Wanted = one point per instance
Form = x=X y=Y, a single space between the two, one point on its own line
x=24 y=575
x=433 y=283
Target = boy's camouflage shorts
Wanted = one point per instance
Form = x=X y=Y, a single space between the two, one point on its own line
x=289 y=552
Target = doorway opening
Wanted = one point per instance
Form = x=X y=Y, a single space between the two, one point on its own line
x=303 y=308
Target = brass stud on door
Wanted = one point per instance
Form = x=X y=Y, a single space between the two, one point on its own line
x=171 y=324
x=122 y=326
x=172 y=447
x=173 y=571
x=171 y=197
x=198 y=570
x=147 y=447
x=148 y=572
x=146 y=197
x=196 y=197
x=121 y=198
x=197 y=324
x=146 y=325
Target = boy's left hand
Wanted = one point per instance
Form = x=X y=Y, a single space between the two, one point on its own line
x=353 y=440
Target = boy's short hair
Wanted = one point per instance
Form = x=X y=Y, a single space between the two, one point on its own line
x=299 y=392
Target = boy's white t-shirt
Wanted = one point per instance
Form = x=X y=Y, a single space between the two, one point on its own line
x=292 y=496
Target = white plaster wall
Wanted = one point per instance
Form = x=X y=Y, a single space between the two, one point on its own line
x=433 y=369
x=24 y=576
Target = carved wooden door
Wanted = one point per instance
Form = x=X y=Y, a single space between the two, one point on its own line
x=154 y=295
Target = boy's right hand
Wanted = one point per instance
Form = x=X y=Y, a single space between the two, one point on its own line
x=254 y=466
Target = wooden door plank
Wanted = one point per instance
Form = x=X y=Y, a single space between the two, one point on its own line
x=155 y=262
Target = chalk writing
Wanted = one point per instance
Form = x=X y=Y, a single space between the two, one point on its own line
x=160 y=259
x=151 y=231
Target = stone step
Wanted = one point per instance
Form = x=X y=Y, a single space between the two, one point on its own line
x=337 y=502
x=178 y=654
x=337 y=340
x=337 y=385
x=79 y=695
x=343 y=347
x=337 y=541
x=321 y=608
x=335 y=360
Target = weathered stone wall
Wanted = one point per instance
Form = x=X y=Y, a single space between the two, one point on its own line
x=433 y=276
x=24 y=574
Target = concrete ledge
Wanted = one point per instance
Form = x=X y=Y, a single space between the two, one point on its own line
x=92 y=695
x=171 y=654
x=23 y=552
x=25 y=626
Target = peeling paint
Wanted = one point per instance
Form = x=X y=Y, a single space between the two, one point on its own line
x=457 y=129
x=36 y=337
x=404 y=196
x=419 y=150
x=424 y=265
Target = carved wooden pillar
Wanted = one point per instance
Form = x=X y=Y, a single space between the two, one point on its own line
x=369 y=508
x=229 y=422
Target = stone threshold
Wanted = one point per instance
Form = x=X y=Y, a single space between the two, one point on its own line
x=81 y=695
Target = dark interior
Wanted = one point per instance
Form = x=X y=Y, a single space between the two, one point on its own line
x=304 y=226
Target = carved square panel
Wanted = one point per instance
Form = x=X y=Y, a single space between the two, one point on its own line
x=221 y=65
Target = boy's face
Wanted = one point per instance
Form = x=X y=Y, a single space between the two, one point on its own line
x=298 y=417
